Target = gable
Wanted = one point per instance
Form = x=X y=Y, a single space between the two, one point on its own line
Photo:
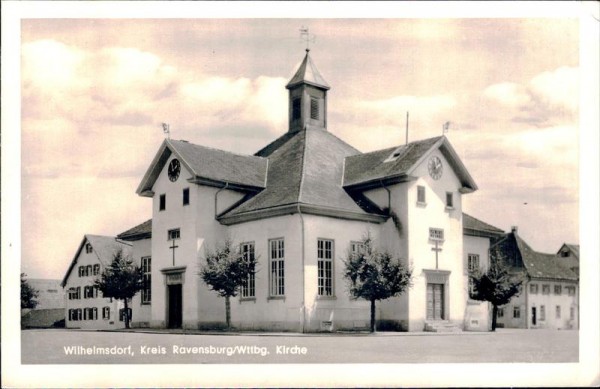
x=207 y=166
x=399 y=164
x=103 y=248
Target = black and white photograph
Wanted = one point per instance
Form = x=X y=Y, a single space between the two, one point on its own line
x=260 y=194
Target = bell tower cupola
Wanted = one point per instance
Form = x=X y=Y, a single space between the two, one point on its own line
x=307 y=98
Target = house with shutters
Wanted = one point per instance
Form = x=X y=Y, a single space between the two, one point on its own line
x=299 y=205
x=550 y=294
x=84 y=305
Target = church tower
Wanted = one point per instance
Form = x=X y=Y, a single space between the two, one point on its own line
x=307 y=97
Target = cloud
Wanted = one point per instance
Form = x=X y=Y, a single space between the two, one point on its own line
x=548 y=98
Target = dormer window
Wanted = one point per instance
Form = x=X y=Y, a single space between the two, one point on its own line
x=395 y=154
x=314 y=109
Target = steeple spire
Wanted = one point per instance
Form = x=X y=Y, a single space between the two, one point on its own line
x=307 y=97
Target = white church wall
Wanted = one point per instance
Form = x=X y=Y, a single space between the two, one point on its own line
x=435 y=214
x=477 y=313
x=264 y=312
x=141 y=313
x=339 y=311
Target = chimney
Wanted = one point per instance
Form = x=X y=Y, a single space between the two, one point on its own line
x=514 y=229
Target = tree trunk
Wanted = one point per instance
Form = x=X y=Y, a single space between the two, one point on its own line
x=126 y=314
x=228 y=312
x=372 y=315
x=494 y=315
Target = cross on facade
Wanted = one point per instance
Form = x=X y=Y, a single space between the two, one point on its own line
x=173 y=247
x=437 y=250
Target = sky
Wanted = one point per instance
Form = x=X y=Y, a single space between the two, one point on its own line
x=94 y=93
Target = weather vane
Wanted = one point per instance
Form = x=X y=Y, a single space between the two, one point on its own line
x=166 y=130
x=306 y=37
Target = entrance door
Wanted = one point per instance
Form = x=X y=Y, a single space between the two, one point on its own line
x=533 y=316
x=174 y=306
x=435 y=301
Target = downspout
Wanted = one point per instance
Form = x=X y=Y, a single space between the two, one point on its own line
x=389 y=207
x=216 y=197
x=303 y=273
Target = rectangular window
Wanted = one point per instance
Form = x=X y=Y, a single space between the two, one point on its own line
x=421 y=194
x=88 y=248
x=357 y=247
x=106 y=313
x=517 y=312
x=78 y=293
x=248 y=288
x=88 y=270
x=473 y=264
x=122 y=314
x=277 y=273
x=296 y=109
x=533 y=288
x=162 y=202
x=542 y=312
x=436 y=234
x=173 y=234
x=186 y=196
x=449 y=200
x=571 y=290
x=325 y=267
x=314 y=109
x=78 y=315
x=545 y=289
x=85 y=292
x=558 y=289
x=80 y=269
x=96 y=269
x=147 y=277
x=500 y=312
x=572 y=313
x=558 y=311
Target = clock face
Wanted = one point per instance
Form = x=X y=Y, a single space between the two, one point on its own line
x=435 y=168
x=174 y=169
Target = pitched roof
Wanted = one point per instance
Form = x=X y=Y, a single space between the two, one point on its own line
x=476 y=227
x=103 y=246
x=309 y=74
x=210 y=166
x=541 y=265
x=574 y=248
x=141 y=231
x=396 y=164
x=305 y=170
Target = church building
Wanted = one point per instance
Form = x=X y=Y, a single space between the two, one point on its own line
x=299 y=205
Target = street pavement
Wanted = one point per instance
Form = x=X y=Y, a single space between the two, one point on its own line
x=61 y=346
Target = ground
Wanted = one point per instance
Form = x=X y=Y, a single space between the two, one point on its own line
x=506 y=345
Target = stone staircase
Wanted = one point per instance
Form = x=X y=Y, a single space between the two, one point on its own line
x=441 y=326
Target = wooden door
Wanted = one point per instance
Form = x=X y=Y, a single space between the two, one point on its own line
x=435 y=301
x=175 y=306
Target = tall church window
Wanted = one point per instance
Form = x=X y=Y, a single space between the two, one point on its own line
x=421 y=195
x=449 y=200
x=277 y=270
x=162 y=202
x=296 y=109
x=325 y=267
x=473 y=265
x=314 y=109
x=249 y=287
x=186 y=196
x=147 y=277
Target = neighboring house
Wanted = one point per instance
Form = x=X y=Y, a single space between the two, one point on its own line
x=84 y=305
x=550 y=293
x=50 y=309
x=50 y=293
x=478 y=237
x=569 y=256
x=299 y=205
